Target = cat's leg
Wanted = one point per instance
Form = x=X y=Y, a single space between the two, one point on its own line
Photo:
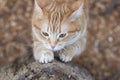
x=73 y=50
x=41 y=54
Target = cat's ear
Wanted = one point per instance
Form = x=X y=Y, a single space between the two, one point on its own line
x=40 y=5
x=77 y=8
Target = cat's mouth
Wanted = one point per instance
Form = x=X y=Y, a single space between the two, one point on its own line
x=56 y=50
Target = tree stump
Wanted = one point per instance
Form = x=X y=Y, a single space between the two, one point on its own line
x=33 y=70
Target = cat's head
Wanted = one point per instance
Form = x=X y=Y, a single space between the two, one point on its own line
x=57 y=23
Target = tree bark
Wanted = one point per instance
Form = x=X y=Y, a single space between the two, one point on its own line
x=33 y=70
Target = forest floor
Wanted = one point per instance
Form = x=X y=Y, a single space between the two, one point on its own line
x=102 y=55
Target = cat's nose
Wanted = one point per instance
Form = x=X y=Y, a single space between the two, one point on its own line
x=52 y=46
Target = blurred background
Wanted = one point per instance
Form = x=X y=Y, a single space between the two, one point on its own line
x=102 y=56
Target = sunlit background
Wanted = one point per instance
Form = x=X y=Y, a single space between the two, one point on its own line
x=102 y=55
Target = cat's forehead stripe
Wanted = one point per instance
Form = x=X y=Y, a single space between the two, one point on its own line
x=56 y=15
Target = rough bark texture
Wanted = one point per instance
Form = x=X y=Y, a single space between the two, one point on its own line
x=52 y=71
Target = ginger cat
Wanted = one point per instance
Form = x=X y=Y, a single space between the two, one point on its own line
x=59 y=25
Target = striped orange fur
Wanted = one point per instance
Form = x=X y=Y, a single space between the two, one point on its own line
x=59 y=25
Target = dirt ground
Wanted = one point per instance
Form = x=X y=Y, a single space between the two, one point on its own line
x=102 y=55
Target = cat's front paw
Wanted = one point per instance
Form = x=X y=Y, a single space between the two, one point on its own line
x=65 y=57
x=44 y=56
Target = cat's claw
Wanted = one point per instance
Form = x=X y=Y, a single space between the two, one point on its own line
x=44 y=57
x=65 y=58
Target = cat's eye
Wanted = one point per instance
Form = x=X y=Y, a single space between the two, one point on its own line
x=62 y=35
x=45 y=33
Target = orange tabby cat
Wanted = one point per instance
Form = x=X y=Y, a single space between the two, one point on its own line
x=59 y=25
